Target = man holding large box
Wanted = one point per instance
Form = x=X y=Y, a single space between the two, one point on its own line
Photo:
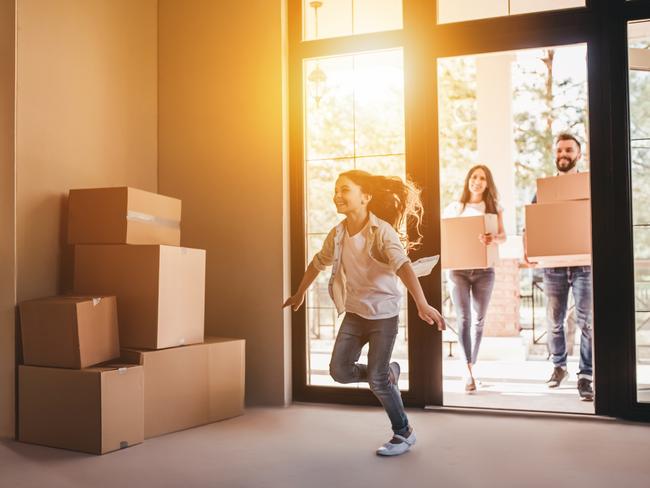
x=562 y=207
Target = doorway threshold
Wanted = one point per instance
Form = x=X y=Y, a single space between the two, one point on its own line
x=516 y=413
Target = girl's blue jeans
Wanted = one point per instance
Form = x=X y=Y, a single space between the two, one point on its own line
x=380 y=334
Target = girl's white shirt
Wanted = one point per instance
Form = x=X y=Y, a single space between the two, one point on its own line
x=370 y=286
x=382 y=244
x=455 y=209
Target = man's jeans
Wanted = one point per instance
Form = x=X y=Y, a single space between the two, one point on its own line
x=479 y=283
x=557 y=282
x=354 y=333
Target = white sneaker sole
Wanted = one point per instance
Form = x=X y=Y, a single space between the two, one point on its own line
x=389 y=449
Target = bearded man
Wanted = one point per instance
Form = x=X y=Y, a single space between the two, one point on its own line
x=558 y=282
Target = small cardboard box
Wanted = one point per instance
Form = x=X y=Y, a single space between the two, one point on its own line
x=123 y=216
x=559 y=233
x=69 y=332
x=160 y=290
x=461 y=248
x=561 y=188
x=95 y=410
x=191 y=385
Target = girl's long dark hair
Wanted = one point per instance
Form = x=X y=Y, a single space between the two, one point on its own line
x=394 y=201
x=490 y=195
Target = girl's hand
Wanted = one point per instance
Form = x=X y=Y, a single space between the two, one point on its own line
x=431 y=315
x=486 y=239
x=295 y=301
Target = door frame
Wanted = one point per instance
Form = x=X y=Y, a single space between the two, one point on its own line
x=601 y=25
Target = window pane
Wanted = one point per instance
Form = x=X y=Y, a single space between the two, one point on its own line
x=461 y=10
x=329 y=100
x=334 y=18
x=642 y=303
x=383 y=165
x=639 y=80
x=354 y=119
x=377 y=15
x=354 y=105
x=321 y=175
x=378 y=103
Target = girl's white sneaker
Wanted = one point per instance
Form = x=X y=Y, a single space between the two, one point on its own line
x=397 y=445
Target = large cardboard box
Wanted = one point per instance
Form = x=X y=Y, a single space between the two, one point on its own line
x=123 y=216
x=560 y=188
x=461 y=248
x=160 y=290
x=94 y=410
x=559 y=234
x=69 y=332
x=191 y=385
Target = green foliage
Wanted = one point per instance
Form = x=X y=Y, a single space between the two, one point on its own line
x=457 y=113
x=547 y=102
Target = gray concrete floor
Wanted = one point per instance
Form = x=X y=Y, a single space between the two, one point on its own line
x=333 y=446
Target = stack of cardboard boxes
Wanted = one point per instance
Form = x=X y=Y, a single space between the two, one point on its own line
x=558 y=226
x=64 y=399
x=127 y=244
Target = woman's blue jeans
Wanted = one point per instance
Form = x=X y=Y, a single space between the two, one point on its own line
x=354 y=333
x=471 y=289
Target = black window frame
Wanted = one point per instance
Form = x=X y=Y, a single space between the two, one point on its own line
x=602 y=25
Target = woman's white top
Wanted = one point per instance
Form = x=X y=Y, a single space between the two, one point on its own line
x=371 y=286
x=455 y=209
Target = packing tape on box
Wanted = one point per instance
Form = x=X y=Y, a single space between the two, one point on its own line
x=124 y=444
x=122 y=370
x=151 y=219
x=96 y=301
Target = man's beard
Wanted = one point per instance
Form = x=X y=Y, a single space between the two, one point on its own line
x=571 y=164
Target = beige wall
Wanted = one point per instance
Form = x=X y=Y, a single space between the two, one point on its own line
x=7 y=214
x=86 y=115
x=221 y=152
x=86 y=108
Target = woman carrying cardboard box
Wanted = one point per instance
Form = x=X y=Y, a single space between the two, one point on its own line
x=472 y=288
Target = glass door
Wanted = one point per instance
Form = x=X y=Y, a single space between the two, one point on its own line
x=427 y=89
x=639 y=96
x=514 y=321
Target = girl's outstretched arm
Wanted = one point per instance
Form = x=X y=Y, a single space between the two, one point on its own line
x=425 y=311
x=321 y=260
x=311 y=273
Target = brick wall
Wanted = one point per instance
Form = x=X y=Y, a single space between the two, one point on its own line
x=503 y=315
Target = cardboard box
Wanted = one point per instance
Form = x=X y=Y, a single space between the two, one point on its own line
x=191 y=385
x=94 y=410
x=123 y=216
x=461 y=248
x=160 y=290
x=559 y=233
x=69 y=332
x=561 y=188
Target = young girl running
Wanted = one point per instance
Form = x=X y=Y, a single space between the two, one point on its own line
x=474 y=286
x=366 y=254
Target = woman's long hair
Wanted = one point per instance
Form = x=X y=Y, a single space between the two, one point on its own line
x=394 y=201
x=490 y=195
